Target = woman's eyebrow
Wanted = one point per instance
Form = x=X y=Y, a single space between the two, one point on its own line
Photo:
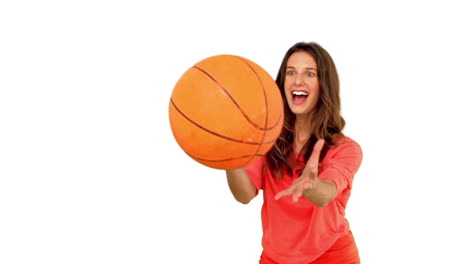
x=308 y=68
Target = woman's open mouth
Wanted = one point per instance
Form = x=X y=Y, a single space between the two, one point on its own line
x=299 y=97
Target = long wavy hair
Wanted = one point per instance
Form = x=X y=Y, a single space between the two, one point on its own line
x=328 y=122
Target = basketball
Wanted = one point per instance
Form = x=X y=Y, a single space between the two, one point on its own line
x=226 y=112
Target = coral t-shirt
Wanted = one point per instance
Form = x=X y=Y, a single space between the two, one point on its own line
x=299 y=232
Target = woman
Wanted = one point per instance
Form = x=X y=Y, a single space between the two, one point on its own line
x=307 y=176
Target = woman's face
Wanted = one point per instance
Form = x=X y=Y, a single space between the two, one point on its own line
x=301 y=85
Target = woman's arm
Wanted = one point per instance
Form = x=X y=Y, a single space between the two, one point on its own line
x=241 y=186
x=321 y=193
x=337 y=176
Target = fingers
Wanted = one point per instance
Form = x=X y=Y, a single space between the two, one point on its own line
x=283 y=193
x=296 y=196
x=296 y=190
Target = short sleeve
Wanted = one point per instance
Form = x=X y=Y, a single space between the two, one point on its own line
x=341 y=164
x=255 y=171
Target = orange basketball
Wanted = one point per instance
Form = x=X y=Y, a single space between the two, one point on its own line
x=226 y=112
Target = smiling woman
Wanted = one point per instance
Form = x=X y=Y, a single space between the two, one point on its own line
x=301 y=83
x=313 y=162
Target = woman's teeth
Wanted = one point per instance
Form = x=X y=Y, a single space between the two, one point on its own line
x=300 y=93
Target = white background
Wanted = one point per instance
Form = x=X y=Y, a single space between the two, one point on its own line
x=90 y=172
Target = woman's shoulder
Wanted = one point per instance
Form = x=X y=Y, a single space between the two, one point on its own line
x=344 y=140
x=346 y=144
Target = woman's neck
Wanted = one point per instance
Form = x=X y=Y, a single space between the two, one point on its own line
x=302 y=131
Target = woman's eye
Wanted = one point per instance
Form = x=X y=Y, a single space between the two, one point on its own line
x=310 y=74
x=289 y=72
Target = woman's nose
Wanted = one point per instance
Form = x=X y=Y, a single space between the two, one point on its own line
x=299 y=80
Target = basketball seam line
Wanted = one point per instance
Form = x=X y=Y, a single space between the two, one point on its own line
x=217 y=134
x=266 y=106
x=223 y=160
x=235 y=102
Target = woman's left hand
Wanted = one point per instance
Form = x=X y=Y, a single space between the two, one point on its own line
x=309 y=176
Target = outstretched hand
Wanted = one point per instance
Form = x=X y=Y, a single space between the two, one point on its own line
x=309 y=176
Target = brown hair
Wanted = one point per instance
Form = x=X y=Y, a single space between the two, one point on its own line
x=328 y=122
